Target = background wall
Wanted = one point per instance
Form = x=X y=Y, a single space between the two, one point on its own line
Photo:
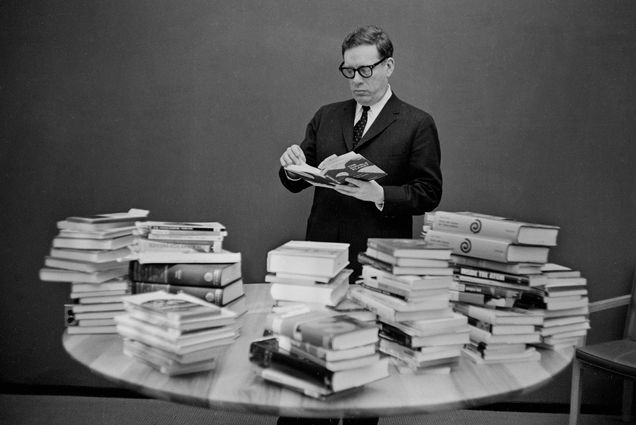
x=183 y=108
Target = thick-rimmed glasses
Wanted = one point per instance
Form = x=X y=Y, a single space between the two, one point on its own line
x=365 y=71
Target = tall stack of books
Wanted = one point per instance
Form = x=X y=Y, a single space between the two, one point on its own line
x=498 y=265
x=406 y=283
x=319 y=354
x=90 y=252
x=187 y=257
x=306 y=272
x=563 y=304
x=175 y=333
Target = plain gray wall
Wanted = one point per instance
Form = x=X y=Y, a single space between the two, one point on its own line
x=183 y=108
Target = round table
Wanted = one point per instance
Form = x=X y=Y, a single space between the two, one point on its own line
x=235 y=385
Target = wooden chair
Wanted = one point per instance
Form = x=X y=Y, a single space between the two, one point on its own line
x=617 y=357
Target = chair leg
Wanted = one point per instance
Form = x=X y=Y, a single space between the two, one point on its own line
x=575 y=392
x=628 y=396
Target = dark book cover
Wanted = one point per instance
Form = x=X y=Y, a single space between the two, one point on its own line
x=199 y=274
x=267 y=353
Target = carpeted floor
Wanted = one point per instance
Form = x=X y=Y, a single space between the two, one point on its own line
x=73 y=410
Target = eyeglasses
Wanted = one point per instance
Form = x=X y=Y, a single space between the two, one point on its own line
x=365 y=71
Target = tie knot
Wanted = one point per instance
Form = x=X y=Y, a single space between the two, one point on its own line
x=365 y=108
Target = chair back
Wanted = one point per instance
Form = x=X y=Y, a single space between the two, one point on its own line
x=630 y=324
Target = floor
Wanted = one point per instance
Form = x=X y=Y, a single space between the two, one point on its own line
x=77 y=410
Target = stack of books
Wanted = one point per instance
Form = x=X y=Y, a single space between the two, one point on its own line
x=90 y=252
x=319 y=354
x=563 y=304
x=498 y=265
x=192 y=242
x=175 y=333
x=406 y=283
x=500 y=335
x=187 y=257
x=306 y=272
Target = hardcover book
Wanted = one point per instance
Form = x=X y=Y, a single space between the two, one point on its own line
x=162 y=360
x=459 y=336
x=148 y=332
x=335 y=170
x=308 y=258
x=408 y=248
x=364 y=258
x=322 y=293
x=218 y=296
x=93 y=244
x=517 y=279
x=390 y=313
x=325 y=354
x=97 y=234
x=499 y=317
x=99 y=222
x=335 y=332
x=420 y=356
x=185 y=257
x=529 y=354
x=469 y=223
x=62 y=275
x=488 y=248
x=266 y=353
x=205 y=226
x=82 y=266
x=172 y=309
x=406 y=261
x=408 y=282
x=90 y=255
x=210 y=274
x=512 y=268
x=480 y=335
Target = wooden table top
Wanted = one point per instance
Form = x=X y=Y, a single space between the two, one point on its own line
x=234 y=384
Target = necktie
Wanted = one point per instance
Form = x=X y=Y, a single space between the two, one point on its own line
x=358 y=129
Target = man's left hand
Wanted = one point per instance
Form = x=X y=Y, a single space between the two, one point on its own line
x=365 y=191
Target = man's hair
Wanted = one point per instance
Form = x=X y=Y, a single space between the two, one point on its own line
x=369 y=35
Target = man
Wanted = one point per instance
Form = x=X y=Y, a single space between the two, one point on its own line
x=399 y=138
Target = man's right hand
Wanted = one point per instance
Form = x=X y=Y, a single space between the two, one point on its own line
x=292 y=155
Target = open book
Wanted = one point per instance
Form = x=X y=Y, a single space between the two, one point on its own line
x=335 y=170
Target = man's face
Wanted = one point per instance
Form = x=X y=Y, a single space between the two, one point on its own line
x=368 y=91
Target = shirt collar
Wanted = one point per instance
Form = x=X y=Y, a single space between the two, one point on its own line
x=376 y=107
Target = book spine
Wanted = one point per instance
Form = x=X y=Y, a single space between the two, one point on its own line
x=395 y=334
x=513 y=268
x=266 y=353
x=188 y=274
x=374 y=262
x=383 y=311
x=487 y=274
x=382 y=289
x=461 y=244
x=486 y=289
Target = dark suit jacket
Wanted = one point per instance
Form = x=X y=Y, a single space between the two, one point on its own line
x=403 y=142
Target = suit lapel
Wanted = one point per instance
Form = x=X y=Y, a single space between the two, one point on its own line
x=348 y=114
x=387 y=116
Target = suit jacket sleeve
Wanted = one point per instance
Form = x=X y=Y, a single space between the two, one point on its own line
x=419 y=188
x=309 y=148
